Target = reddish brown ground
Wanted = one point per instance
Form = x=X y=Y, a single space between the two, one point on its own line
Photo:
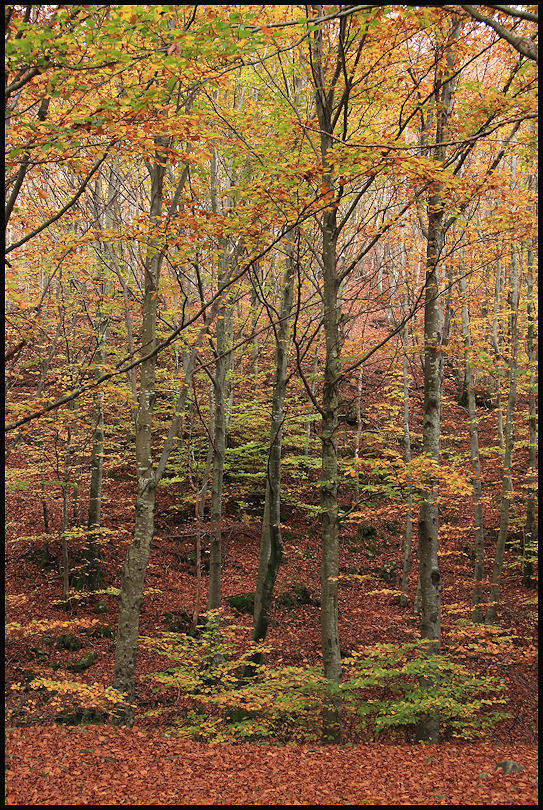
x=51 y=764
x=48 y=765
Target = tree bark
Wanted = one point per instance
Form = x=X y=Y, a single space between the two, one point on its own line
x=530 y=528
x=133 y=573
x=271 y=543
x=479 y=545
x=507 y=485
x=408 y=545
x=429 y=573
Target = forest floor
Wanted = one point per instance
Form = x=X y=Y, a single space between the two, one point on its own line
x=94 y=765
x=49 y=763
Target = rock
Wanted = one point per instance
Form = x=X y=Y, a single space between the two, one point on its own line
x=69 y=641
x=86 y=661
x=297 y=594
x=509 y=766
x=180 y=621
x=389 y=571
x=102 y=631
x=243 y=602
x=38 y=652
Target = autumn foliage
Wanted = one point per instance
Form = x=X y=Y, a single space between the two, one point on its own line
x=271 y=410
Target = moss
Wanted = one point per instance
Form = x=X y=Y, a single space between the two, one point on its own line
x=243 y=602
x=69 y=641
x=297 y=594
x=86 y=661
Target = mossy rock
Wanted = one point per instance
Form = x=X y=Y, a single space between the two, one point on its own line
x=297 y=594
x=39 y=652
x=509 y=766
x=366 y=532
x=86 y=661
x=102 y=631
x=243 y=602
x=180 y=621
x=389 y=571
x=68 y=641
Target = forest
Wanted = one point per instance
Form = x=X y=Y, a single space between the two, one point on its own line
x=271 y=404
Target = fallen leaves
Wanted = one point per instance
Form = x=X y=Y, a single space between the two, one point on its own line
x=137 y=768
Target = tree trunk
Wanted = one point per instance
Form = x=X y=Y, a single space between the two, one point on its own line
x=497 y=352
x=507 y=486
x=133 y=574
x=309 y=421
x=324 y=96
x=530 y=529
x=92 y=573
x=429 y=573
x=430 y=577
x=219 y=446
x=408 y=546
x=329 y=504
x=271 y=544
x=479 y=569
x=199 y=514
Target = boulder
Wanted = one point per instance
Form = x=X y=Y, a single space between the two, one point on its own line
x=509 y=766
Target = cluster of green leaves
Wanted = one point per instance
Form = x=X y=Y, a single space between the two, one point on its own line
x=385 y=687
x=391 y=687
x=226 y=703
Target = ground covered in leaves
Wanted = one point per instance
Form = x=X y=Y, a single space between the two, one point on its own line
x=51 y=765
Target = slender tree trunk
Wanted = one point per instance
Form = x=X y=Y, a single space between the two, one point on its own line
x=497 y=352
x=507 y=486
x=133 y=574
x=64 y=534
x=479 y=569
x=430 y=576
x=93 y=573
x=255 y=308
x=530 y=529
x=313 y=384
x=329 y=503
x=358 y=429
x=408 y=546
x=219 y=446
x=271 y=543
x=199 y=511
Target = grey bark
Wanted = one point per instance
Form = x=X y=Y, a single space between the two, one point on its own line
x=219 y=446
x=479 y=545
x=507 y=486
x=271 y=543
x=133 y=573
x=530 y=528
x=497 y=351
x=408 y=545
x=429 y=572
x=324 y=96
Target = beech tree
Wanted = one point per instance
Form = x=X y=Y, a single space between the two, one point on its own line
x=287 y=228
